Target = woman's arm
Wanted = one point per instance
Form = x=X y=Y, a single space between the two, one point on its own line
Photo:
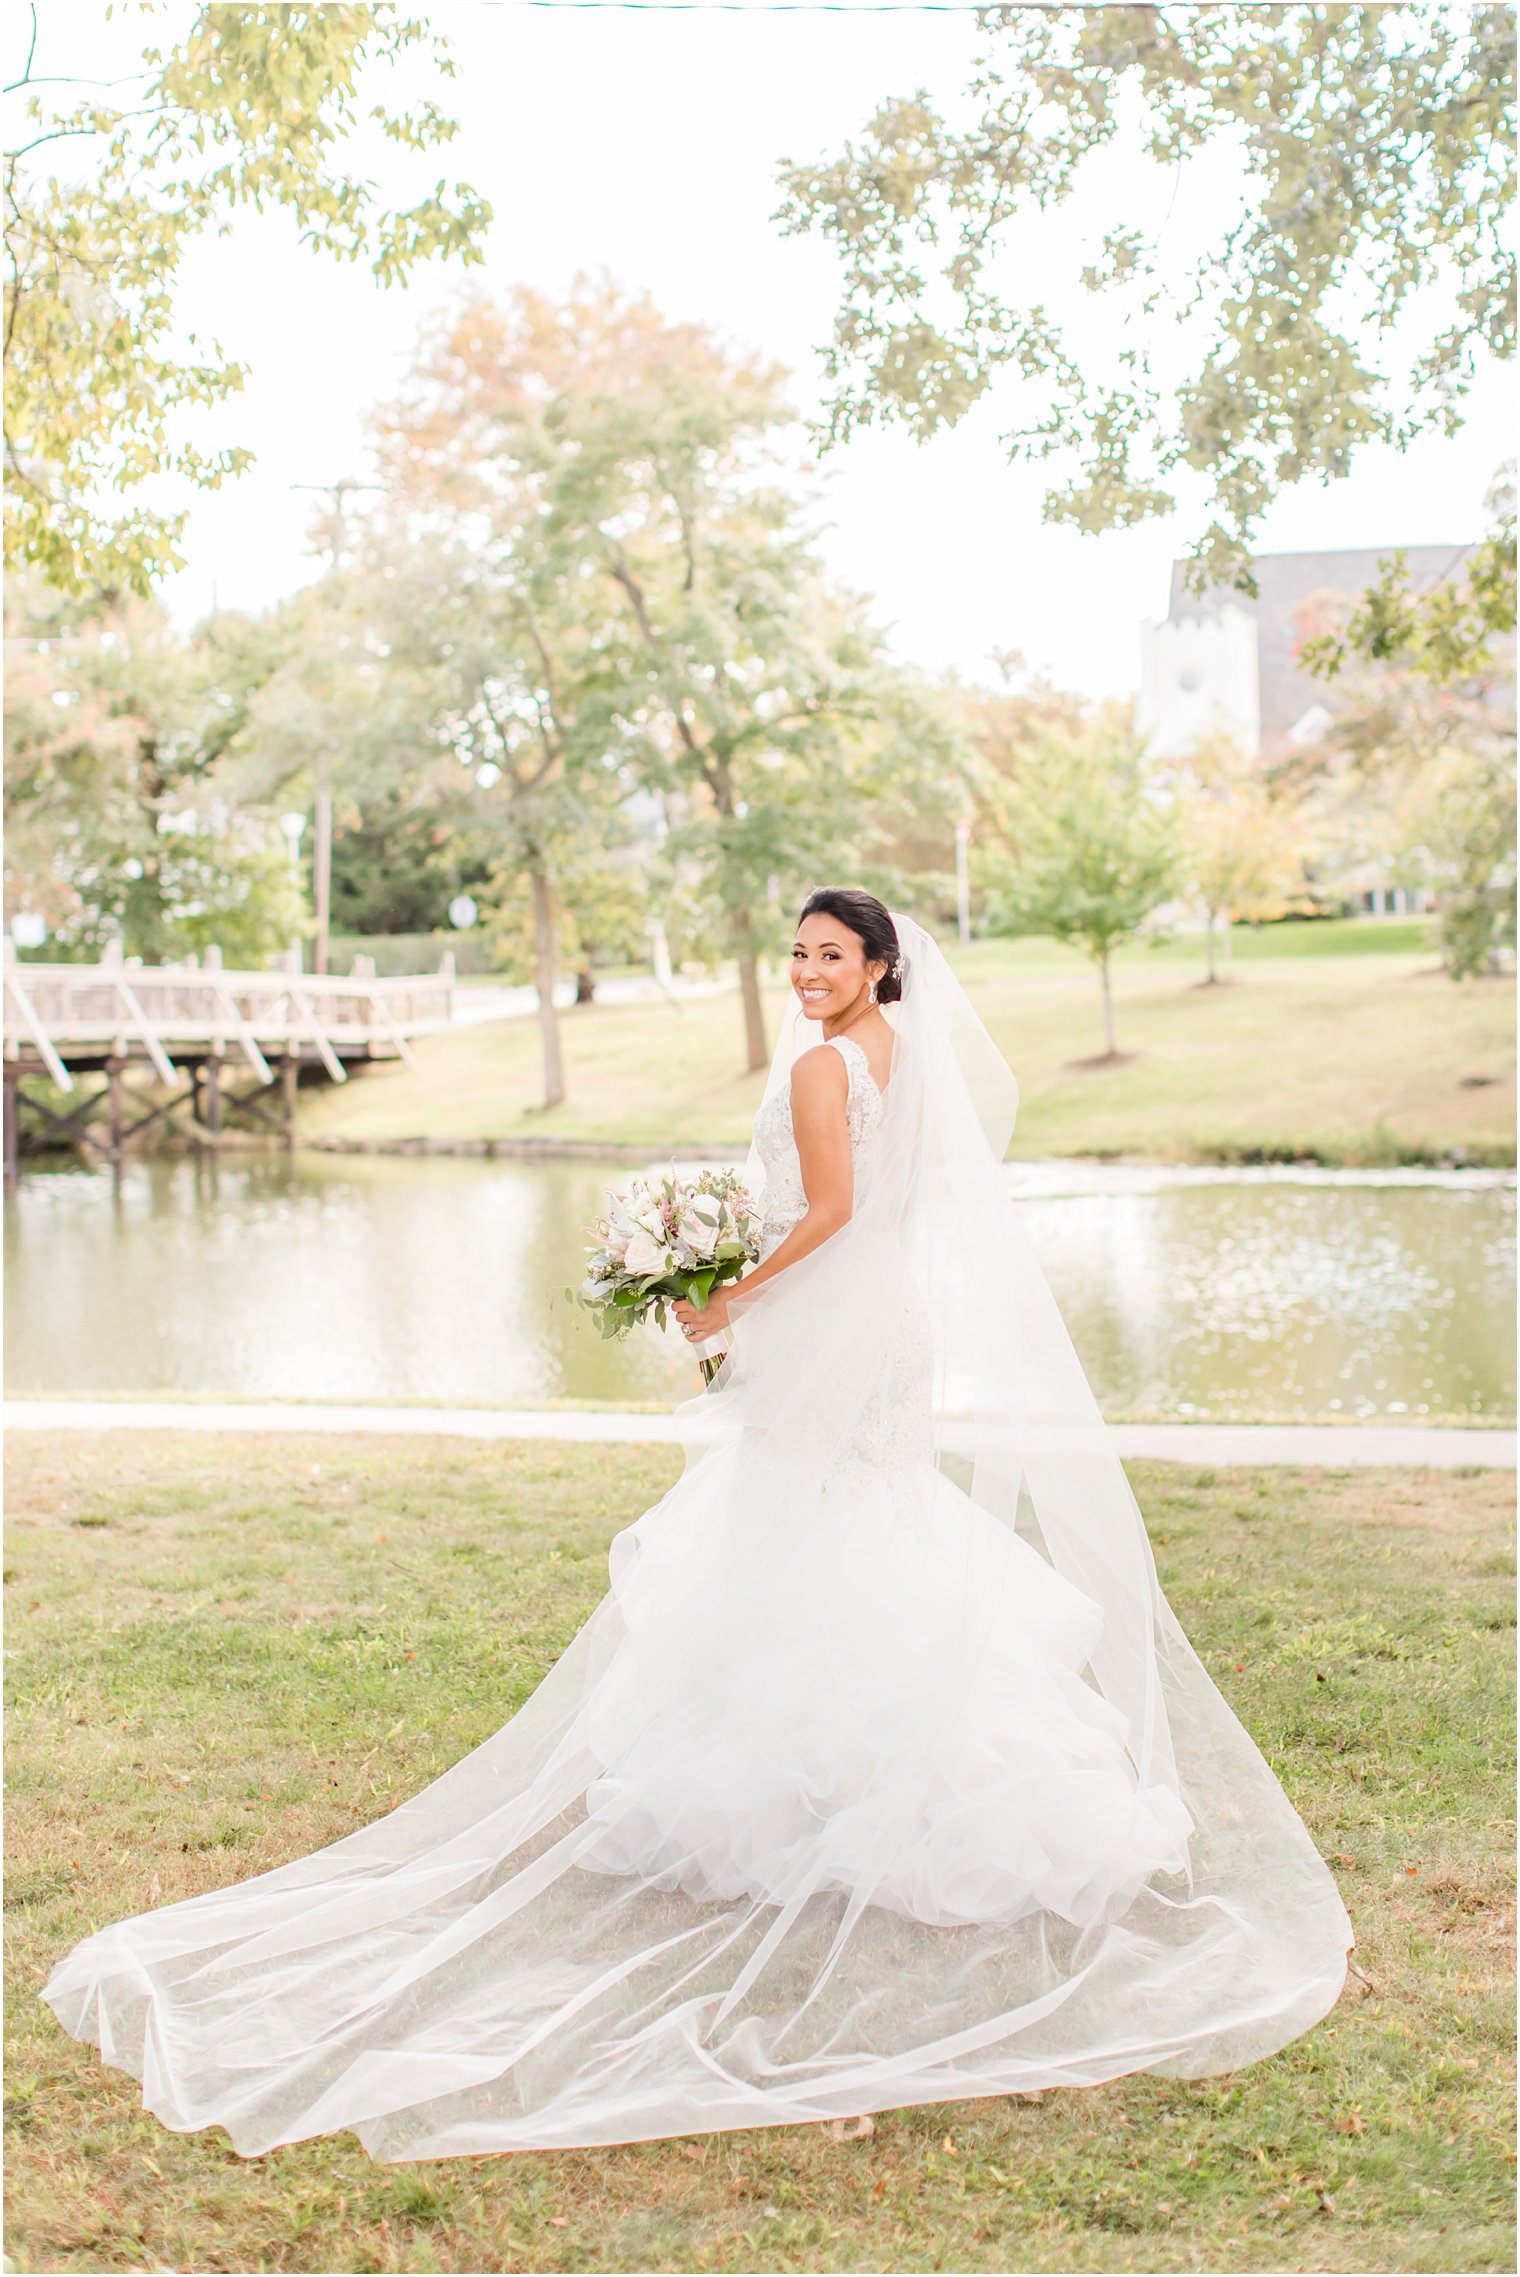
x=820 y=1092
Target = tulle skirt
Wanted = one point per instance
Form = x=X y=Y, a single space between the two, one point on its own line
x=822 y=1813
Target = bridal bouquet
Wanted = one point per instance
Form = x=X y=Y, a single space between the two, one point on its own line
x=668 y=1237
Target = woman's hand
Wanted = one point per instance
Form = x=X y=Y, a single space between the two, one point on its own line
x=710 y=1319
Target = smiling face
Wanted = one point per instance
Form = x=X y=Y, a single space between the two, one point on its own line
x=831 y=974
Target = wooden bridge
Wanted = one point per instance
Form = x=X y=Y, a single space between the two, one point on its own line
x=224 y=1046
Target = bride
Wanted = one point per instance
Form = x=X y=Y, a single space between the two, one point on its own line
x=882 y=1775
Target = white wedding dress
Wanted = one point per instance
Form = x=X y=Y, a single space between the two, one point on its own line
x=858 y=1789
x=805 y=1766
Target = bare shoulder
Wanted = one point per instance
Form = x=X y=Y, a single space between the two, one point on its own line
x=819 y=1076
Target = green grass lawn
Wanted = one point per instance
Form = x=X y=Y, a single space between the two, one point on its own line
x=1343 y=1043
x=228 y=1651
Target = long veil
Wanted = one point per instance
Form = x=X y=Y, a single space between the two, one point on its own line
x=790 y=1832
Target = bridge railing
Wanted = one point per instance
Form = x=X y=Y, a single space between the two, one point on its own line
x=64 y=1011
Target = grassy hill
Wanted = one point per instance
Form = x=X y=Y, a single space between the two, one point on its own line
x=1341 y=1042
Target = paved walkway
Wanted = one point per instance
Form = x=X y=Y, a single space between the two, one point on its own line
x=1335 y=1445
x=476 y=1002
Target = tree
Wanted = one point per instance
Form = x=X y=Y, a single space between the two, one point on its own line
x=320 y=733
x=488 y=668
x=603 y=898
x=397 y=865
x=794 y=752
x=640 y=464
x=999 y=723
x=1375 y=150
x=1244 y=839
x=1427 y=728
x=1459 y=632
x=1083 y=849
x=1424 y=773
x=122 y=825
x=1457 y=831
x=248 y=108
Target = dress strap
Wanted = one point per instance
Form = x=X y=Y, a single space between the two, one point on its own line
x=857 y=1063
x=846 y=1045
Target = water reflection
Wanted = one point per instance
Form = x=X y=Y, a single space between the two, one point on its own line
x=1288 y=1301
x=1188 y=1294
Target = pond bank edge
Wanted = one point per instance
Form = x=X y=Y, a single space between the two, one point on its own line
x=1309 y=1157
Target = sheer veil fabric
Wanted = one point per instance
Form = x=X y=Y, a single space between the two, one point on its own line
x=883 y=1774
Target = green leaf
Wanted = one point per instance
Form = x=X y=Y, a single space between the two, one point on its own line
x=97 y=363
x=1381 y=155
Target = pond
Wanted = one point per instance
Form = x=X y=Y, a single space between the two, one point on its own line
x=1246 y=1295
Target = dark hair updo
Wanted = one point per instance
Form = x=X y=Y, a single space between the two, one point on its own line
x=871 y=920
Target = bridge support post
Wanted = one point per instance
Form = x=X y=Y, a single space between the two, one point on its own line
x=116 y=1119
x=290 y=1077
x=12 y=1131
x=211 y=1096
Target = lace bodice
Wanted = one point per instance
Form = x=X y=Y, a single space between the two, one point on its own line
x=785 y=1200
x=892 y=1432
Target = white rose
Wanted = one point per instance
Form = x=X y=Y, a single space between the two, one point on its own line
x=644 y=1254
x=697 y=1234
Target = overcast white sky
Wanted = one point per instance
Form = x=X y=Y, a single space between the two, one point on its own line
x=647 y=142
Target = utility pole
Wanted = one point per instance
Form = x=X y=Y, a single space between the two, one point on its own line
x=321 y=853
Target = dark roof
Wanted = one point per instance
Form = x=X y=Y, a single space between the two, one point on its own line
x=1284 y=581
